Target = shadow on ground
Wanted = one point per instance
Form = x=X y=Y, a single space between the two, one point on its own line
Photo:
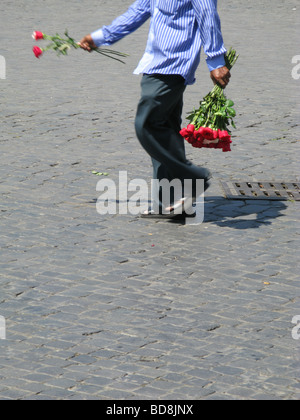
x=242 y=214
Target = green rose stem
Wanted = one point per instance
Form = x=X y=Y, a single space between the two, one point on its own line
x=215 y=108
x=62 y=46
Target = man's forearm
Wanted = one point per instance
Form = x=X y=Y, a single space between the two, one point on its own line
x=124 y=25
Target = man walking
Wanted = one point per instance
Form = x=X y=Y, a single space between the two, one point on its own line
x=178 y=31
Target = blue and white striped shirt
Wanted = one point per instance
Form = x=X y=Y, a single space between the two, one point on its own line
x=178 y=31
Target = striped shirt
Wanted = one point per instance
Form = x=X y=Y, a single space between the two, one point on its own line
x=178 y=31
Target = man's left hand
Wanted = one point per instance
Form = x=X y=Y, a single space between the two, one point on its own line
x=87 y=43
x=221 y=76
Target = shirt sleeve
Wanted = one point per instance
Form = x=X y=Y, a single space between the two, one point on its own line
x=210 y=30
x=137 y=14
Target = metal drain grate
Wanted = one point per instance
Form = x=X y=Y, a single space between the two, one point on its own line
x=262 y=190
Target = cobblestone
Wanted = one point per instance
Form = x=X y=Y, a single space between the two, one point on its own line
x=93 y=310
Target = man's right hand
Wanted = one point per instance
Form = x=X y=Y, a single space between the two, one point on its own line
x=87 y=43
x=221 y=77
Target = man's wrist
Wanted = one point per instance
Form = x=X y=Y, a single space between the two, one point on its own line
x=216 y=62
x=98 y=37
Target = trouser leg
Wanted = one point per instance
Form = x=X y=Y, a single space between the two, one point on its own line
x=158 y=122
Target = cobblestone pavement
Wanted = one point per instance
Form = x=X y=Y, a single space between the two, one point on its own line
x=116 y=307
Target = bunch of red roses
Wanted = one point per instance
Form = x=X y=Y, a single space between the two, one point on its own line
x=63 y=45
x=207 y=137
x=209 y=124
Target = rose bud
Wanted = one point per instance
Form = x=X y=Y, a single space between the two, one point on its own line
x=184 y=132
x=37 y=51
x=223 y=135
x=190 y=128
x=37 y=35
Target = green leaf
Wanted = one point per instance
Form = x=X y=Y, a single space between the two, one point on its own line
x=231 y=112
x=229 y=103
x=100 y=173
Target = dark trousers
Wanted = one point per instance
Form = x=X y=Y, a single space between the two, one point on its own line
x=158 y=122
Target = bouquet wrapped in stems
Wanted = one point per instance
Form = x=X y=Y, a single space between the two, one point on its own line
x=63 y=45
x=209 y=124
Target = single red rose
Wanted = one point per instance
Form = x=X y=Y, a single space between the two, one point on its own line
x=37 y=35
x=196 y=142
x=190 y=128
x=37 y=51
x=224 y=135
x=187 y=135
x=208 y=133
x=184 y=133
x=198 y=135
x=201 y=131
